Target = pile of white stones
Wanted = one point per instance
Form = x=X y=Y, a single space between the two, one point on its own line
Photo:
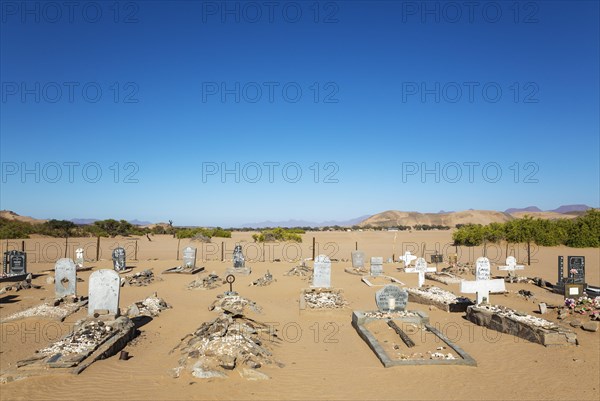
x=151 y=306
x=82 y=340
x=234 y=304
x=324 y=300
x=521 y=317
x=209 y=282
x=438 y=294
x=390 y=315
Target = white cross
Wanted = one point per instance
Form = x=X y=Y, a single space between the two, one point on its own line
x=511 y=265
x=482 y=286
x=421 y=268
x=407 y=258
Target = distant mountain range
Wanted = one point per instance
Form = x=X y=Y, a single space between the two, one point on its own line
x=388 y=218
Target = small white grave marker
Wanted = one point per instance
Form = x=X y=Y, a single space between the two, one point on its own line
x=482 y=286
x=420 y=268
x=511 y=266
x=104 y=291
x=322 y=272
x=407 y=258
x=79 y=258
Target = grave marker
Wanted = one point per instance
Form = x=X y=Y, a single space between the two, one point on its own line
x=482 y=286
x=104 y=291
x=420 y=268
x=407 y=258
x=322 y=272
x=189 y=257
x=238 y=257
x=118 y=257
x=391 y=298
x=79 y=260
x=358 y=259
x=511 y=266
x=65 y=278
x=376 y=266
x=14 y=263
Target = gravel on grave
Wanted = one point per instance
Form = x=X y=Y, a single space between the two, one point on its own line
x=438 y=294
x=520 y=317
x=319 y=299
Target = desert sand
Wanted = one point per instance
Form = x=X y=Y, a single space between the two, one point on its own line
x=323 y=355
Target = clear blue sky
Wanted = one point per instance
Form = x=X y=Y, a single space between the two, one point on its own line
x=166 y=94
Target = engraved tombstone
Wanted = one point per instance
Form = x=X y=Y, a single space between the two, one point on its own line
x=104 y=291
x=238 y=257
x=376 y=266
x=118 y=257
x=65 y=278
x=391 y=292
x=189 y=257
x=322 y=272
x=14 y=263
x=358 y=259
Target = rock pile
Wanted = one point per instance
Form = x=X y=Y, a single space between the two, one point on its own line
x=301 y=270
x=390 y=315
x=228 y=342
x=139 y=279
x=324 y=299
x=209 y=282
x=438 y=294
x=519 y=316
x=151 y=306
x=21 y=285
x=57 y=309
x=233 y=304
x=264 y=281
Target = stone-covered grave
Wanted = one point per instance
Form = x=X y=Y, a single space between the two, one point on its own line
x=208 y=282
x=65 y=301
x=264 y=281
x=232 y=341
x=358 y=264
x=376 y=278
x=321 y=295
x=402 y=337
x=189 y=263
x=239 y=263
x=100 y=335
x=438 y=297
x=301 y=270
x=140 y=279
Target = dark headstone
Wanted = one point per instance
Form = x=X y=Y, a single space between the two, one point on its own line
x=576 y=269
x=118 y=257
x=14 y=263
x=238 y=257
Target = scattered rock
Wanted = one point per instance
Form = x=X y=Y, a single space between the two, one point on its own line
x=139 y=279
x=251 y=374
x=576 y=323
x=50 y=280
x=209 y=282
x=264 y=281
x=590 y=326
x=543 y=308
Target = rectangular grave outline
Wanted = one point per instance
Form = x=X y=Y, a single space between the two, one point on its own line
x=394 y=280
x=359 y=321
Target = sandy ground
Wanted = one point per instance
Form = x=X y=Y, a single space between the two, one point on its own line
x=323 y=355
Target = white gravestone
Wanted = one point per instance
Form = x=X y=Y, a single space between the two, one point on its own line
x=397 y=296
x=511 y=266
x=376 y=266
x=189 y=257
x=482 y=286
x=407 y=258
x=358 y=259
x=105 y=286
x=420 y=268
x=79 y=258
x=322 y=272
x=65 y=278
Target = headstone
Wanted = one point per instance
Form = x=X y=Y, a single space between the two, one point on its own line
x=189 y=257
x=407 y=258
x=14 y=263
x=104 y=290
x=322 y=272
x=358 y=259
x=65 y=278
x=118 y=256
x=238 y=257
x=376 y=266
x=420 y=268
x=482 y=286
x=576 y=265
x=399 y=296
x=79 y=258
x=561 y=270
x=511 y=266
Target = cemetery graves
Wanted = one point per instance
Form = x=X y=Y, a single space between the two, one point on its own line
x=419 y=341
x=407 y=258
x=574 y=285
x=376 y=266
x=438 y=297
x=119 y=259
x=189 y=263
x=358 y=263
x=510 y=267
x=239 y=263
x=321 y=295
x=420 y=268
x=483 y=285
x=14 y=266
